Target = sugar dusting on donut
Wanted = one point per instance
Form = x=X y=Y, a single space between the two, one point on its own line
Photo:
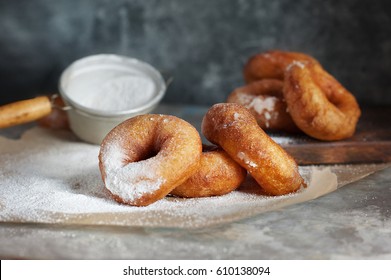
x=245 y=98
x=245 y=158
x=262 y=105
x=235 y=129
x=145 y=157
x=264 y=99
x=259 y=103
x=297 y=63
x=130 y=181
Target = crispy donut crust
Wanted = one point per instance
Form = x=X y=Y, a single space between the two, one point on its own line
x=319 y=105
x=264 y=99
x=235 y=129
x=146 y=157
x=218 y=174
x=272 y=64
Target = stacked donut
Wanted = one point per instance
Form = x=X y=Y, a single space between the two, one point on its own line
x=150 y=156
x=291 y=91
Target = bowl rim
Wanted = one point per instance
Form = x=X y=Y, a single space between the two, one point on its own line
x=121 y=60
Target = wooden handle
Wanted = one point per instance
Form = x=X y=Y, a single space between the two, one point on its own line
x=24 y=111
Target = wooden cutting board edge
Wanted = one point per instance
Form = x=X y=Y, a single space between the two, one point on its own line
x=340 y=152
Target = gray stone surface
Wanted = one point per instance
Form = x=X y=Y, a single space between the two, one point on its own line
x=202 y=44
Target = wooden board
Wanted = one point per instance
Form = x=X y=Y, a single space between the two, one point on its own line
x=370 y=144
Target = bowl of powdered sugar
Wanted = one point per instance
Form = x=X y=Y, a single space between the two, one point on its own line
x=103 y=90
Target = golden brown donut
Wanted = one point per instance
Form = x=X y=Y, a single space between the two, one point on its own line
x=144 y=158
x=235 y=129
x=264 y=99
x=272 y=64
x=217 y=174
x=319 y=105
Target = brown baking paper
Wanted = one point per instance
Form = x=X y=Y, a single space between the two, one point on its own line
x=51 y=177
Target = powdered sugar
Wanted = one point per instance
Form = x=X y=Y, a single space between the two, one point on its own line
x=133 y=181
x=267 y=116
x=297 y=63
x=129 y=181
x=245 y=98
x=242 y=156
x=265 y=104
x=283 y=140
x=113 y=156
x=114 y=91
x=259 y=104
x=50 y=177
x=262 y=105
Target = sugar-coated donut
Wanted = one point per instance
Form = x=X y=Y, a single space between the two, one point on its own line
x=319 y=105
x=217 y=174
x=264 y=99
x=235 y=129
x=272 y=64
x=146 y=157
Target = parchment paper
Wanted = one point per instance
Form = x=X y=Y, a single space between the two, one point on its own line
x=51 y=177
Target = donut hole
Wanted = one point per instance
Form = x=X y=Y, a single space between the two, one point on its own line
x=149 y=155
x=140 y=151
x=144 y=155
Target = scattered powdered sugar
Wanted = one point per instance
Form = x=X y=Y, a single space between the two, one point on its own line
x=296 y=63
x=245 y=98
x=50 y=177
x=246 y=160
x=268 y=116
x=283 y=140
x=263 y=104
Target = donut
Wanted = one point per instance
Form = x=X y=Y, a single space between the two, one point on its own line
x=144 y=158
x=264 y=99
x=217 y=174
x=235 y=129
x=272 y=64
x=318 y=104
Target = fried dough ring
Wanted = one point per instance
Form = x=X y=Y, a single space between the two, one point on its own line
x=264 y=99
x=319 y=105
x=146 y=157
x=272 y=64
x=218 y=174
x=235 y=129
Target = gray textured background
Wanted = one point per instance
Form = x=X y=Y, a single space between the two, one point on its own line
x=203 y=44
